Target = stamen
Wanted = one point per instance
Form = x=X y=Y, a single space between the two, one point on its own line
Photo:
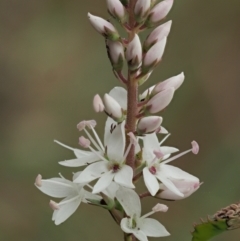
x=53 y=205
x=68 y=147
x=97 y=137
x=160 y=208
x=195 y=147
x=84 y=142
x=81 y=125
x=38 y=180
x=60 y=174
x=92 y=140
x=164 y=139
x=127 y=151
x=177 y=156
x=133 y=138
x=95 y=152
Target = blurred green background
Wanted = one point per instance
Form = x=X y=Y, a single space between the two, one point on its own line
x=52 y=62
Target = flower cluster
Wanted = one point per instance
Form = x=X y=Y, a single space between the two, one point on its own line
x=110 y=169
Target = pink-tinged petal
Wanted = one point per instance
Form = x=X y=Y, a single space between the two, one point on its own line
x=116 y=143
x=116 y=8
x=92 y=172
x=140 y=235
x=57 y=187
x=150 y=181
x=124 y=225
x=124 y=177
x=120 y=95
x=65 y=210
x=103 y=182
x=142 y=7
x=153 y=228
x=150 y=143
x=161 y=175
x=149 y=124
x=160 y=100
x=130 y=201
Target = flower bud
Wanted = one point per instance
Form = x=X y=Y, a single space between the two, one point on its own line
x=104 y=27
x=116 y=9
x=116 y=54
x=173 y=82
x=98 y=105
x=149 y=124
x=186 y=187
x=125 y=2
x=112 y=107
x=159 y=12
x=141 y=9
x=153 y=55
x=157 y=35
x=134 y=53
x=160 y=101
x=146 y=93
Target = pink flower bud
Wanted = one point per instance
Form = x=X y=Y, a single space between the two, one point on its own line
x=195 y=147
x=146 y=93
x=186 y=187
x=116 y=9
x=160 y=208
x=53 y=205
x=160 y=11
x=161 y=100
x=98 y=105
x=112 y=107
x=149 y=124
x=142 y=7
x=157 y=35
x=103 y=27
x=154 y=54
x=116 y=54
x=134 y=52
x=173 y=82
x=84 y=142
x=38 y=180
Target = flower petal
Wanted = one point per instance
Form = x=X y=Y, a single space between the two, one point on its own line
x=65 y=210
x=153 y=228
x=92 y=172
x=141 y=236
x=130 y=201
x=103 y=182
x=167 y=151
x=150 y=181
x=124 y=225
x=124 y=177
x=120 y=95
x=57 y=187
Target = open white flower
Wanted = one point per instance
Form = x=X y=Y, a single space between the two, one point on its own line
x=157 y=167
x=73 y=194
x=140 y=227
x=112 y=164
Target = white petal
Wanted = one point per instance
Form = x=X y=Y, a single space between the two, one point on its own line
x=81 y=161
x=150 y=143
x=167 y=151
x=65 y=210
x=57 y=187
x=89 y=195
x=141 y=236
x=130 y=201
x=124 y=225
x=120 y=95
x=111 y=190
x=92 y=172
x=107 y=131
x=150 y=181
x=153 y=228
x=124 y=177
x=168 y=183
x=103 y=182
x=116 y=143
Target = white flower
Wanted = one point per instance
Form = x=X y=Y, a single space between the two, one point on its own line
x=157 y=167
x=72 y=193
x=140 y=227
x=112 y=165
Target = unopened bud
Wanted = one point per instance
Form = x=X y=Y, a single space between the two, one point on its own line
x=160 y=101
x=154 y=55
x=149 y=124
x=116 y=54
x=116 y=9
x=146 y=93
x=104 y=27
x=143 y=78
x=141 y=9
x=84 y=142
x=134 y=53
x=112 y=107
x=159 y=12
x=98 y=105
x=157 y=35
x=125 y=2
x=173 y=82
